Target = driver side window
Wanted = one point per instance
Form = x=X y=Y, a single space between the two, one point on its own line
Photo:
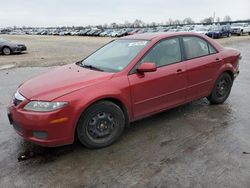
x=164 y=53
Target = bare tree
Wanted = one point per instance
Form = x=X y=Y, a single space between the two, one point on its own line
x=227 y=19
x=169 y=22
x=188 y=21
x=177 y=22
x=138 y=23
x=127 y=24
x=218 y=19
x=114 y=25
x=207 y=20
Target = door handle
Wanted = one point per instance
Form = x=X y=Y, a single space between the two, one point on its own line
x=218 y=59
x=179 y=71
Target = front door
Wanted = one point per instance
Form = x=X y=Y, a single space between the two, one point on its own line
x=166 y=87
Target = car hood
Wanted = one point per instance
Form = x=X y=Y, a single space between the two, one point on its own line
x=61 y=81
x=10 y=43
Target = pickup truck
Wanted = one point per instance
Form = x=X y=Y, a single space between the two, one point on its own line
x=240 y=28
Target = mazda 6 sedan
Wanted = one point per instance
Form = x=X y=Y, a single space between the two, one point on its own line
x=127 y=79
x=8 y=47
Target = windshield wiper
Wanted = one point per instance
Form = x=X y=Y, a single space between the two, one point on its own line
x=91 y=67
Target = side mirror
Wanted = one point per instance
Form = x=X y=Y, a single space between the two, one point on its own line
x=147 y=67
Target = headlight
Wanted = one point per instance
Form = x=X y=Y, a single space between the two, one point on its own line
x=40 y=106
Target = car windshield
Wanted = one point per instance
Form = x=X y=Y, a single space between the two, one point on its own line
x=114 y=56
x=217 y=28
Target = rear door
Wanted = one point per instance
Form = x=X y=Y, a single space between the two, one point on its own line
x=164 y=88
x=202 y=62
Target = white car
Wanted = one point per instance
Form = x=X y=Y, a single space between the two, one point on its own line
x=202 y=29
x=240 y=28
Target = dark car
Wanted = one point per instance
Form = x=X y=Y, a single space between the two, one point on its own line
x=220 y=31
x=128 y=79
x=8 y=47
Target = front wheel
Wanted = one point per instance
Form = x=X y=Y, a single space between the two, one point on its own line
x=221 y=89
x=101 y=125
x=6 y=51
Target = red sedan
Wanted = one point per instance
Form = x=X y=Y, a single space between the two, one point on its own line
x=127 y=79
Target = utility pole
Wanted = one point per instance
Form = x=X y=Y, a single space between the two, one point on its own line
x=213 y=24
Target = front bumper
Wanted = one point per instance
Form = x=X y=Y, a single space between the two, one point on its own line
x=43 y=128
x=19 y=49
x=235 y=31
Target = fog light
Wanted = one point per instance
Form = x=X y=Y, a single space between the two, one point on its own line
x=40 y=135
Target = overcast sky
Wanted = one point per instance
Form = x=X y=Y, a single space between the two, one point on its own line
x=93 y=12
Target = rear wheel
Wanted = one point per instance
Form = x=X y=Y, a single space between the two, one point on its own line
x=221 y=89
x=6 y=51
x=101 y=125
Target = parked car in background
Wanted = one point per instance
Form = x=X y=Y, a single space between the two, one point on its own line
x=240 y=28
x=120 y=31
x=8 y=47
x=134 y=31
x=126 y=80
x=219 y=31
x=202 y=29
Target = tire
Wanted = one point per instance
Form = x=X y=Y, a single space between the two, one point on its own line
x=6 y=51
x=100 y=125
x=241 y=33
x=221 y=89
x=229 y=35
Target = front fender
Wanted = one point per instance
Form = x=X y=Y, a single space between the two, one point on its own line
x=81 y=99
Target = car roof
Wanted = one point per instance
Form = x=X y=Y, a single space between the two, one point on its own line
x=162 y=35
x=158 y=35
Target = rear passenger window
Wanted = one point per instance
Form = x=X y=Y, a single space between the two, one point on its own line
x=195 y=47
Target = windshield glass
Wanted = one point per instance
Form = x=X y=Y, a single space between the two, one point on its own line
x=115 y=56
x=217 y=28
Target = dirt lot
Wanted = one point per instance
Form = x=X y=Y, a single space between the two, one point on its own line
x=195 y=145
x=59 y=50
x=52 y=50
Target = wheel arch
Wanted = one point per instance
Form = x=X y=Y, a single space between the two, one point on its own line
x=230 y=72
x=5 y=47
x=114 y=100
x=227 y=68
